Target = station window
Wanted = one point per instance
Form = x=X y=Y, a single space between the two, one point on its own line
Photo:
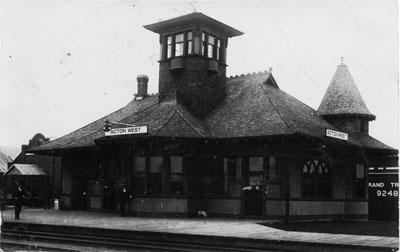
x=208 y=176
x=232 y=173
x=176 y=176
x=273 y=169
x=360 y=182
x=316 y=180
x=155 y=175
x=139 y=175
x=256 y=171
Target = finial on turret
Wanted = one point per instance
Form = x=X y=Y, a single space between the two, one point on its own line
x=270 y=69
x=342 y=61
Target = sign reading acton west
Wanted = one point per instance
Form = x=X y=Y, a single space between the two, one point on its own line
x=127 y=131
x=336 y=134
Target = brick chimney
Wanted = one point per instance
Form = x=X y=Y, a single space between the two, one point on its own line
x=142 y=86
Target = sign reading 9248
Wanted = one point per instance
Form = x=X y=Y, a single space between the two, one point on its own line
x=390 y=190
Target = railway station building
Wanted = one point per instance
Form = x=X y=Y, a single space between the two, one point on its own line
x=226 y=146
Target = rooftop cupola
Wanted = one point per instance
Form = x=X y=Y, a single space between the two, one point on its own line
x=193 y=60
x=343 y=105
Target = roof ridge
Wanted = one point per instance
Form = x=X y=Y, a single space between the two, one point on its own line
x=166 y=121
x=188 y=121
x=249 y=74
x=276 y=109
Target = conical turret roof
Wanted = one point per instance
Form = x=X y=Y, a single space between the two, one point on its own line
x=342 y=96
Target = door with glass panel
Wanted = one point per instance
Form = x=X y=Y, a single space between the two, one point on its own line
x=252 y=191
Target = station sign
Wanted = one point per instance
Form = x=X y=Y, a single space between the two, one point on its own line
x=337 y=134
x=383 y=196
x=127 y=131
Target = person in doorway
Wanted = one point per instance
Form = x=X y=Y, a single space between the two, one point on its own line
x=18 y=197
x=123 y=200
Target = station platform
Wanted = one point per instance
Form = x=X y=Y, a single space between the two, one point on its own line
x=246 y=230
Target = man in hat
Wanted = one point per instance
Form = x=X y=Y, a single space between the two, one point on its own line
x=18 y=197
x=123 y=200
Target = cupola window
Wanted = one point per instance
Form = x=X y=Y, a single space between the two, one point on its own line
x=189 y=43
x=184 y=43
x=179 y=44
x=211 y=46
x=169 y=46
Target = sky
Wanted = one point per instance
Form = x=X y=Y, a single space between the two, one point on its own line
x=66 y=63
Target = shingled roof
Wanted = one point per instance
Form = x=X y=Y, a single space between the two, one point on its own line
x=254 y=107
x=342 y=96
x=7 y=155
x=167 y=118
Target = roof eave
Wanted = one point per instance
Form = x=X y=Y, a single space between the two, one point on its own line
x=195 y=17
x=371 y=117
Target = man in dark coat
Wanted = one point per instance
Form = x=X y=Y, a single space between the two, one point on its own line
x=18 y=197
x=123 y=200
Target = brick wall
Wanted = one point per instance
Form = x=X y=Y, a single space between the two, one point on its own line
x=350 y=124
x=197 y=88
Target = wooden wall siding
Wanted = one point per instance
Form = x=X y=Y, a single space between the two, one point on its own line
x=65 y=202
x=338 y=182
x=57 y=175
x=317 y=207
x=94 y=188
x=95 y=202
x=294 y=180
x=349 y=181
x=159 y=205
x=235 y=191
x=66 y=179
x=217 y=206
x=273 y=191
x=275 y=208
x=125 y=160
x=356 y=208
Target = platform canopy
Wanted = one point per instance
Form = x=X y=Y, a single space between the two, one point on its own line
x=24 y=170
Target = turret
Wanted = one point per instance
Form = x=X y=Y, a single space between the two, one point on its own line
x=343 y=105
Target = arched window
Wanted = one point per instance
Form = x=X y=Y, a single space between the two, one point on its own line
x=316 y=180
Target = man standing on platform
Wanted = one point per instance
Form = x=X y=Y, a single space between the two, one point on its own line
x=123 y=199
x=18 y=197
